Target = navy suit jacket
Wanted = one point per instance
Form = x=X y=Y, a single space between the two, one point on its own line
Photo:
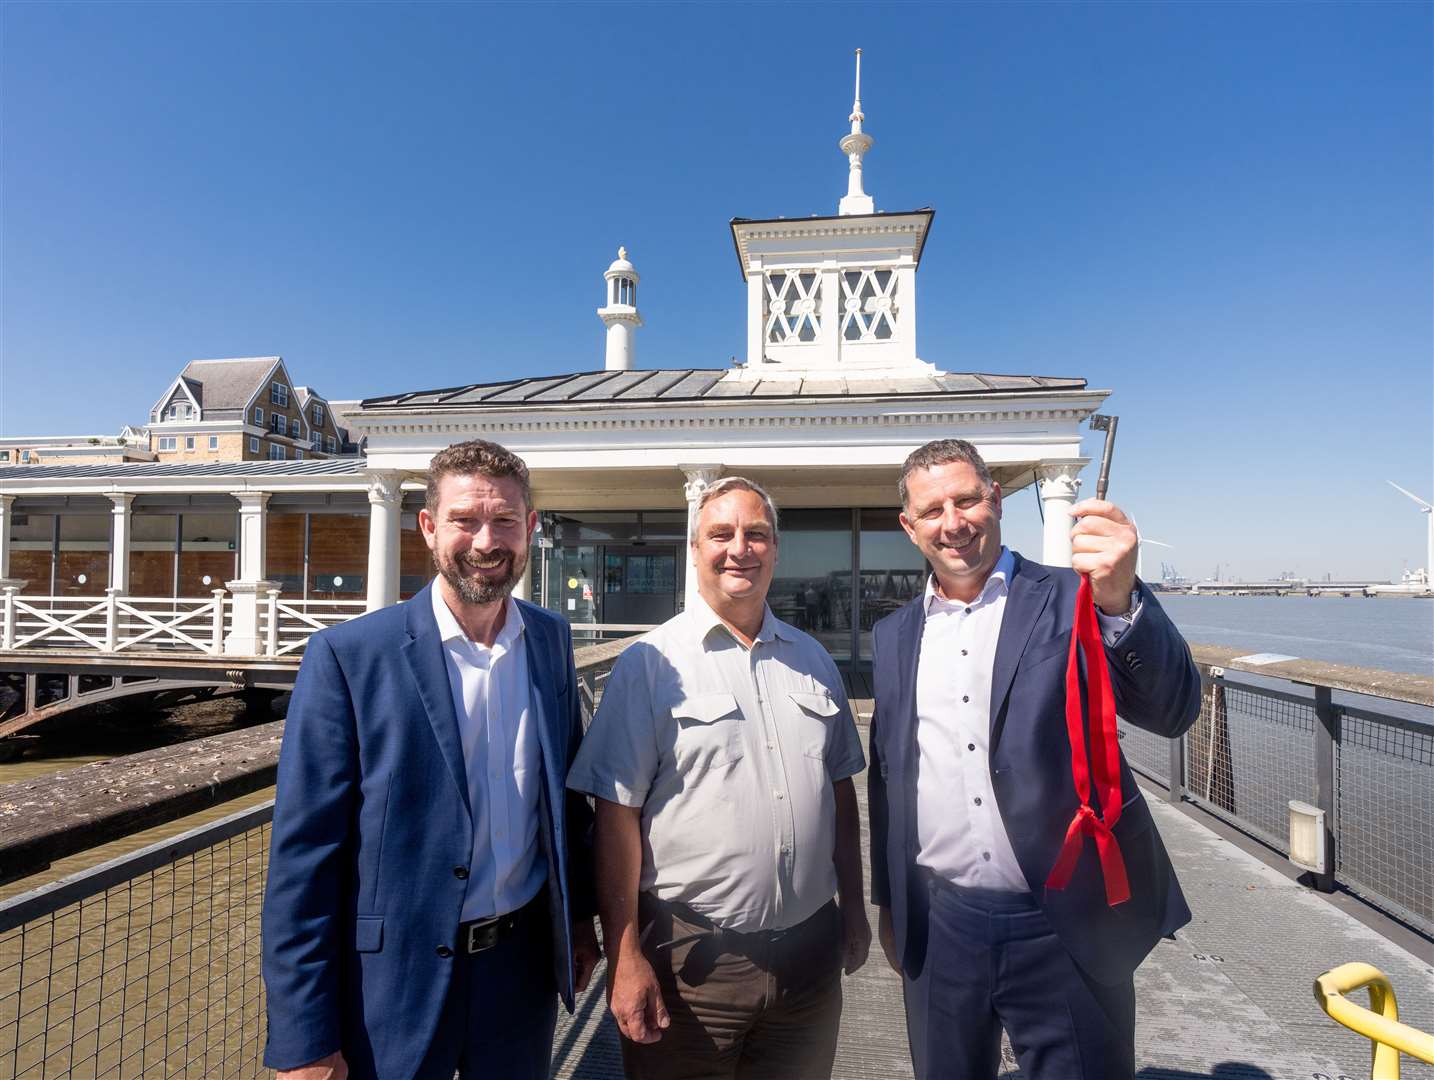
x=1157 y=687
x=373 y=838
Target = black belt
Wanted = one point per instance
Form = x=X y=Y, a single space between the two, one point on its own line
x=707 y=928
x=480 y=935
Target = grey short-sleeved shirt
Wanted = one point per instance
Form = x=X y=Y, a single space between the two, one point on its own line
x=731 y=753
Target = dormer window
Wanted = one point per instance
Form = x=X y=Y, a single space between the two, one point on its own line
x=318 y=414
x=868 y=305
x=173 y=411
x=279 y=395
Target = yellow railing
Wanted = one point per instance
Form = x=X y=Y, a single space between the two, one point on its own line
x=1380 y=1023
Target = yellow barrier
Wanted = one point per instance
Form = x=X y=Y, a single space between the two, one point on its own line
x=1381 y=1026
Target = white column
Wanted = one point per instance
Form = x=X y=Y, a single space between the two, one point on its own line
x=250 y=587
x=1058 y=482
x=756 y=329
x=119 y=542
x=831 y=312
x=385 y=498
x=698 y=479
x=7 y=519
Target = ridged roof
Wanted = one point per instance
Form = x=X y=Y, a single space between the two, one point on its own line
x=706 y=384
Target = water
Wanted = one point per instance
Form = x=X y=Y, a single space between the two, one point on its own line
x=1388 y=634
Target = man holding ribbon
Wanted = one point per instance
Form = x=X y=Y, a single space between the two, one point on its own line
x=1019 y=877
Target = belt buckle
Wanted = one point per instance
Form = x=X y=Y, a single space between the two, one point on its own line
x=482 y=935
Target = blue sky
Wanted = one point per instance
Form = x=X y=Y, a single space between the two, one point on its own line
x=1221 y=212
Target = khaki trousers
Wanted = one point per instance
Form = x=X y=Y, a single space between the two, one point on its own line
x=743 y=1006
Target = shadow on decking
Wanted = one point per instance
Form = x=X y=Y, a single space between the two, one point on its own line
x=1225 y=1070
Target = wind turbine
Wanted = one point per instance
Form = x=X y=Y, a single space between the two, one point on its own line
x=1428 y=511
x=1140 y=553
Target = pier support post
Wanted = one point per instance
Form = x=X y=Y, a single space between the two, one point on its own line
x=7 y=518
x=119 y=541
x=699 y=478
x=385 y=504
x=7 y=627
x=1058 y=482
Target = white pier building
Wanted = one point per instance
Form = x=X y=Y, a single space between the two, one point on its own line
x=830 y=397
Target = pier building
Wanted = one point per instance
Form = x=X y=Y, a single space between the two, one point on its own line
x=830 y=396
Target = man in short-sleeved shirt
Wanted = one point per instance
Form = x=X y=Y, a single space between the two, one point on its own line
x=721 y=759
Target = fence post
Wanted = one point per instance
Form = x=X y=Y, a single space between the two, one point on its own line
x=7 y=635
x=1175 y=790
x=112 y=617
x=1326 y=742
x=271 y=646
x=216 y=634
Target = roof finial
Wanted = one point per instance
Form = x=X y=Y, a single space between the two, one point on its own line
x=854 y=145
x=856 y=116
x=621 y=252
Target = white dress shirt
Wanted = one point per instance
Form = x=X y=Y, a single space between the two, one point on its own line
x=731 y=752
x=959 y=831
x=501 y=757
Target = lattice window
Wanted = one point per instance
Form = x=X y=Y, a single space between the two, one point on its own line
x=868 y=305
x=792 y=312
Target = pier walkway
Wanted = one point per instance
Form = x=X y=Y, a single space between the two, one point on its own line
x=1229 y=999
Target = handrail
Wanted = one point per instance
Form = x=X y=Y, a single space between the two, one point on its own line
x=1380 y=1024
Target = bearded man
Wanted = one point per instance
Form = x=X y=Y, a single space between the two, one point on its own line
x=429 y=892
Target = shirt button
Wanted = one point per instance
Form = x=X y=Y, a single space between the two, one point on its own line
x=460 y=872
x=986 y=855
x=779 y=795
x=444 y=951
x=963 y=652
x=965 y=697
x=970 y=746
x=978 y=800
x=968 y=611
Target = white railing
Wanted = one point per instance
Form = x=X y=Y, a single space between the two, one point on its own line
x=288 y=624
x=114 y=623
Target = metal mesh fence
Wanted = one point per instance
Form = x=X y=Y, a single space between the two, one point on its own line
x=1147 y=753
x=1250 y=752
x=147 y=966
x=1384 y=784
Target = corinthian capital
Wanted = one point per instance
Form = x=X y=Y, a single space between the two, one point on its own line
x=385 y=487
x=1060 y=479
x=699 y=478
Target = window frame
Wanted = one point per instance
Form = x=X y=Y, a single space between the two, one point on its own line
x=189 y=442
x=278 y=394
x=214 y=442
x=254 y=444
x=171 y=440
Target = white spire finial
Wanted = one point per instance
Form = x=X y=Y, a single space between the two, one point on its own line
x=621 y=252
x=857 y=116
x=854 y=145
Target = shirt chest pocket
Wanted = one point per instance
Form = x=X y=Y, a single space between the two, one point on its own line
x=709 y=732
x=814 y=713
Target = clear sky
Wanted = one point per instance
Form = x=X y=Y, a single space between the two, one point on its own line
x=1221 y=212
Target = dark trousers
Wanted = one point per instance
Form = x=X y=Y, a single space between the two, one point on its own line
x=743 y=1006
x=993 y=961
x=501 y=1009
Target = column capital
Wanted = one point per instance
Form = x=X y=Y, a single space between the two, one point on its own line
x=7 y=501
x=122 y=500
x=1059 y=478
x=252 y=500
x=384 y=486
x=699 y=478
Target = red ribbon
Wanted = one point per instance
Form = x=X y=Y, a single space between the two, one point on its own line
x=1105 y=749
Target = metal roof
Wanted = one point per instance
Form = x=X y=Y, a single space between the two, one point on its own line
x=707 y=384
x=154 y=470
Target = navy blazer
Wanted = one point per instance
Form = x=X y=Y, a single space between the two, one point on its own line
x=373 y=837
x=1157 y=687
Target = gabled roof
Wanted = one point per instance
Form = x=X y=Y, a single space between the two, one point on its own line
x=228 y=384
x=707 y=384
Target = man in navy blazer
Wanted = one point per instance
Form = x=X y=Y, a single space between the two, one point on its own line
x=971 y=788
x=429 y=894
